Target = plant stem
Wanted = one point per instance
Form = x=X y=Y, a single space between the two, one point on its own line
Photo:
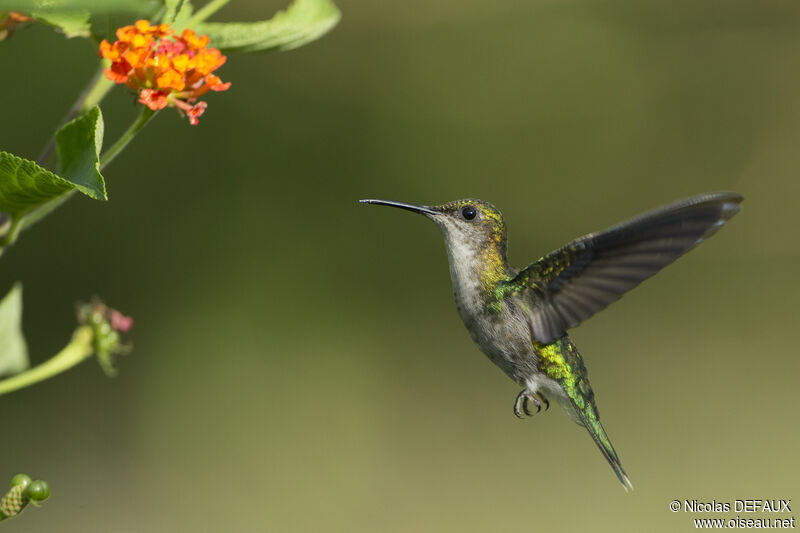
x=38 y=213
x=79 y=348
x=206 y=11
x=126 y=137
x=45 y=209
x=95 y=91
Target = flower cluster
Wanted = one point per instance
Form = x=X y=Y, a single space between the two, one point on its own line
x=165 y=69
x=108 y=326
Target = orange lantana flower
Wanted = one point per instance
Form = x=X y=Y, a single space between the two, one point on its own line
x=165 y=69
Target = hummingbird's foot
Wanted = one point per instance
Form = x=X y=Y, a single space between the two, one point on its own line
x=521 y=405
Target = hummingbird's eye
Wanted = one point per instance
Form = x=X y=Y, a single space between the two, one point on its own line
x=469 y=212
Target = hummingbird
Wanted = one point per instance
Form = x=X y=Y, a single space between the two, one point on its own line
x=519 y=317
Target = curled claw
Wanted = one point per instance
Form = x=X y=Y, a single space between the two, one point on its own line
x=521 y=404
x=518 y=404
x=535 y=402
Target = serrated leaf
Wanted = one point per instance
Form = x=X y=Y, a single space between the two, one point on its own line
x=25 y=185
x=13 y=350
x=71 y=22
x=78 y=144
x=302 y=22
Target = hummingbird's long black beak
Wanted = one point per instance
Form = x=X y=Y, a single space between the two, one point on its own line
x=425 y=210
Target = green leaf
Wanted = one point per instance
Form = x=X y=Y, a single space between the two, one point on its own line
x=178 y=13
x=13 y=350
x=25 y=185
x=302 y=22
x=71 y=22
x=78 y=145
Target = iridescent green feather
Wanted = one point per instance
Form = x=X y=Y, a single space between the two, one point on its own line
x=539 y=274
x=548 y=268
x=544 y=271
x=561 y=361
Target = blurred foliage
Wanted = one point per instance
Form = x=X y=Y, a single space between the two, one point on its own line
x=13 y=349
x=306 y=350
x=64 y=7
x=303 y=22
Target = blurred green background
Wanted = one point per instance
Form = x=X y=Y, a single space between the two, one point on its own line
x=299 y=364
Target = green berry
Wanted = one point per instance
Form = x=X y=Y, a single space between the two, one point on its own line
x=38 y=491
x=21 y=479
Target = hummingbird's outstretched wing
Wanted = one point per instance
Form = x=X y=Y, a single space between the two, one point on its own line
x=574 y=282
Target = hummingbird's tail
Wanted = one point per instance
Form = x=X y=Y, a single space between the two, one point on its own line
x=561 y=362
x=595 y=428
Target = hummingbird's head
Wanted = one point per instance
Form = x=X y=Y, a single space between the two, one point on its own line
x=471 y=228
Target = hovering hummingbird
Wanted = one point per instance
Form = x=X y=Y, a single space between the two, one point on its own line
x=519 y=318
